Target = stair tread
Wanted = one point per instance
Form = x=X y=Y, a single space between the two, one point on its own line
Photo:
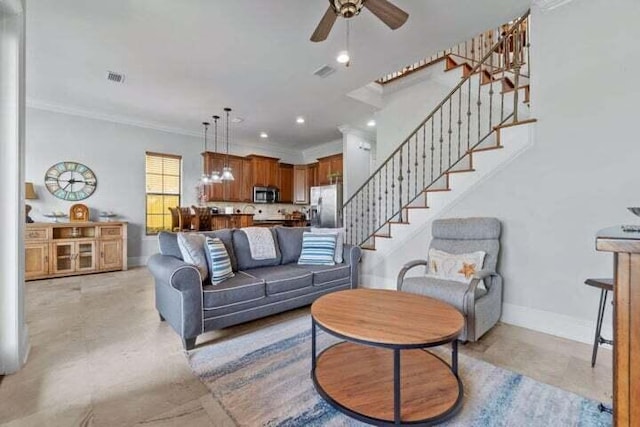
x=462 y=170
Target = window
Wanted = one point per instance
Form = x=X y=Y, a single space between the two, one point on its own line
x=162 y=190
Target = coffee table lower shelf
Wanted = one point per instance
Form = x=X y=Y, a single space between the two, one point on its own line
x=358 y=380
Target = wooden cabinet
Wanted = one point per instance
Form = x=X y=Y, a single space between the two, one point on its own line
x=300 y=184
x=293 y=182
x=110 y=254
x=63 y=249
x=246 y=220
x=285 y=182
x=233 y=189
x=304 y=177
x=312 y=174
x=264 y=170
x=36 y=262
x=238 y=190
x=330 y=169
x=73 y=257
x=219 y=222
x=247 y=181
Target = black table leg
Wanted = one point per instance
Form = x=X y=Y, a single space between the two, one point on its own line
x=454 y=356
x=313 y=344
x=396 y=386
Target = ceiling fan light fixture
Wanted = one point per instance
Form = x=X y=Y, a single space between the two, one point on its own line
x=347 y=8
x=343 y=57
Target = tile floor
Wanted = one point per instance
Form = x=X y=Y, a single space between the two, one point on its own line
x=101 y=357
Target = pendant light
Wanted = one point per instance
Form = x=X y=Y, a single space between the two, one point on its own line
x=343 y=56
x=205 y=179
x=215 y=175
x=227 y=174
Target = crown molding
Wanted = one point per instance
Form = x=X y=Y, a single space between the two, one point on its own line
x=321 y=150
x=546 y=5
x=122 y=120
x=114 y=118
x=347 y=129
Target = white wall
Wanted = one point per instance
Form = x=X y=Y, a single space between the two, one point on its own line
x=14 y=342
x=578 y=177
x=357 y=152
x=116 y=154
x=406 y=104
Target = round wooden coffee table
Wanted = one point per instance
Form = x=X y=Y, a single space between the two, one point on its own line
x=381 y=373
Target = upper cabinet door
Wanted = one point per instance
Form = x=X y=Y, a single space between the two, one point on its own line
x=285 y=182
x=300 y=184
x=330 y=169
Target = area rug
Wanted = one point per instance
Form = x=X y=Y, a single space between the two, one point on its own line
x=262 y=379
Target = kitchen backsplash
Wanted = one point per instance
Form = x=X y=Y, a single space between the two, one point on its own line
x=261 y=211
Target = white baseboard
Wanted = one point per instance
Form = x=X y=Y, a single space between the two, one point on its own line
x=551 y=323
x=138 y=261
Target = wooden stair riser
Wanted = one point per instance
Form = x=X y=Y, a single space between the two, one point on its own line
x=441 y=184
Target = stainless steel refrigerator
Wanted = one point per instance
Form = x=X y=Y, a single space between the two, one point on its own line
x=326 y=206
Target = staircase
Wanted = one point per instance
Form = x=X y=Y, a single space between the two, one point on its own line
x=441 y=158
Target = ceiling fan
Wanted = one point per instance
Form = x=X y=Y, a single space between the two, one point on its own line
x=391 y=15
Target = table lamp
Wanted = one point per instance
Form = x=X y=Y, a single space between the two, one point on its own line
x=29 y=194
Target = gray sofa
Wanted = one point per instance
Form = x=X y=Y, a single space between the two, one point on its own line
x=260 y=287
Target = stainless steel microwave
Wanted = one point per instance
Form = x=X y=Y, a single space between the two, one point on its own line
x=266 y=195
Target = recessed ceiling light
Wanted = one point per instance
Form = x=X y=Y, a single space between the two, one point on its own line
x=237 y=120
x=264 y=135
x=343 y=57
x=300 y=120
x=371 y=123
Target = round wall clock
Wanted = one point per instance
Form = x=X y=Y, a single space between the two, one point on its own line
x=70 y=181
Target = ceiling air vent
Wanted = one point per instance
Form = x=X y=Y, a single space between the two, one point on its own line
x=324 y=71
x=115 y=77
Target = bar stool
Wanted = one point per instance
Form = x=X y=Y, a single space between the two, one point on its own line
x=605 y=286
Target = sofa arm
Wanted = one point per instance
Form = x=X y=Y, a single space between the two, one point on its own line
x=351 y=256
x=174 y=272
x=178 y=287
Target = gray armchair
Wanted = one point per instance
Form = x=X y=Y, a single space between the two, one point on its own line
x=480 y=305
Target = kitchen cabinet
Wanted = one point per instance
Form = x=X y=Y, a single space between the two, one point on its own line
x=254 y=170
x=300 y=184
x=312 y=174
x=330 y=169
x=214 y=162
x=229 y=191
x=234 y=189
x=285 y=182
x=264 y=171
x=222 y=221
x=66 y=249
x=246 y=191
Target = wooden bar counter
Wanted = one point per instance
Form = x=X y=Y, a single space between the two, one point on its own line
x=626 y=348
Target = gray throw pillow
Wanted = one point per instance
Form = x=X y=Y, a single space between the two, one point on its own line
x=192 y=249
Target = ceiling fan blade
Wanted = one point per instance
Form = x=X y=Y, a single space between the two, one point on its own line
x=324 y=27
x=391 y=15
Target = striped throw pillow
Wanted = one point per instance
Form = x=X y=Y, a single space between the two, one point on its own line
x=318 y=249
x=218 y=260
